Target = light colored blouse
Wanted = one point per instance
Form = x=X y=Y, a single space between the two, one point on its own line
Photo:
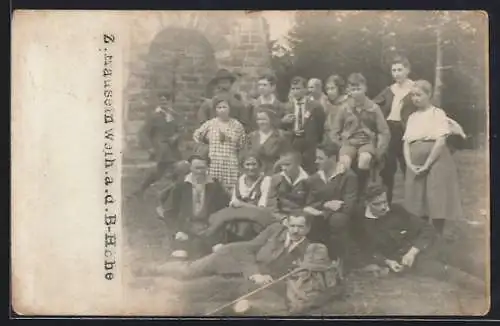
x=430 y=124
x=245 y=190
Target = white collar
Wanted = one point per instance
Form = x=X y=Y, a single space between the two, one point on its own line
x=322 y=175
x=289 y=244
x=263 y=101
x=302 y=176
x=402 y=89
x=189 y=178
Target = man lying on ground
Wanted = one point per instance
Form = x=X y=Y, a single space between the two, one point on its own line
x=277 y=251
x=406 y=243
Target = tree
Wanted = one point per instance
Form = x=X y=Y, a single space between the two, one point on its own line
x=445 y=48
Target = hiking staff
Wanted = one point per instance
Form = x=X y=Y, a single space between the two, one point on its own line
x=245 y=296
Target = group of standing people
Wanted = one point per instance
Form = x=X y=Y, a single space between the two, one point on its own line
x=328 y=155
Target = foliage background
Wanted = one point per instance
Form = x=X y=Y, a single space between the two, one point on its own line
x=339 y=42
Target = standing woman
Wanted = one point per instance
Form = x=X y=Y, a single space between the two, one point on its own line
x=225 y=137
x=431 y=185
x=335 y=90
x=268 y=142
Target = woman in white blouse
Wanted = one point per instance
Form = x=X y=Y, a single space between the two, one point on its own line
x=247 y=213
x=431 y=183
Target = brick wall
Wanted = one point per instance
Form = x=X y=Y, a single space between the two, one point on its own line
x=194 y=53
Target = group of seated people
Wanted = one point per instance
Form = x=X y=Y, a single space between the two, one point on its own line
x=270 y=180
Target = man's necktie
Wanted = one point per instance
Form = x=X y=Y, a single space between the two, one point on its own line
x=300 y=116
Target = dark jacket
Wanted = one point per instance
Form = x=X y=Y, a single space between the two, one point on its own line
x=178 y=205
x=269 y=152
x=348 y=123
x=266 y=253
x=314 y=124
x=343 y=187
x=391 y=236
x=286 y=197
x=161 y=135
x=384 y=100
x=277 y=107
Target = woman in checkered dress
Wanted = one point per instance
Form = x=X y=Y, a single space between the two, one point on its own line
x=225 y=137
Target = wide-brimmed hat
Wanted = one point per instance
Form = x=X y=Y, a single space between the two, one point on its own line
x=223 y=74
x=316 y=258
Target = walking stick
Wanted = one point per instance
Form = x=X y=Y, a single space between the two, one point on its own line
x=265 y=286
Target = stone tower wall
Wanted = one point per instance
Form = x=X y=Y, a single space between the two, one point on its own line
x=182 y=52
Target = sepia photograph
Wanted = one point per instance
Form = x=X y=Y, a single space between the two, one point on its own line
x=308 y=163
x=250 y=163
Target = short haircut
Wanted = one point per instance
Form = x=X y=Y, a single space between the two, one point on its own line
x=374 y=190
x=307 y=217
x=221 y=98
x=200 y=157
x=356 y=79
x=297 y=156
x=399 y=59
x=270 y=111
x=297 y=80
x=424 y=85
x=245 y=156
x=338 y=81
x=271 y=78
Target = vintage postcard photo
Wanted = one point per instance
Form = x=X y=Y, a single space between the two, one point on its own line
x=268 y=163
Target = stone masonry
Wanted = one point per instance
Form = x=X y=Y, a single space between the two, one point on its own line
x=182 y=52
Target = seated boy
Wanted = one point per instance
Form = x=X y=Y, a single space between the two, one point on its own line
x=360 y=128
x=289 y=188
x=332 y=200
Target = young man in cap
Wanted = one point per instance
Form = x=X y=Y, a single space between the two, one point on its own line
x=222 y=83
x=305 y=120
x=160 y=135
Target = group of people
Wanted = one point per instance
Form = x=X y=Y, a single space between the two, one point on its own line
x=274 y=185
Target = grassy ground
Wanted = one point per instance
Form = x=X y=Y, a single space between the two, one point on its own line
x=466 y=247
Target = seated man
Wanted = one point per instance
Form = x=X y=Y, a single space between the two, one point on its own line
x=188 y=205
x=361 y=130
x=404 y=242
x=332 y=200
x=289 y=188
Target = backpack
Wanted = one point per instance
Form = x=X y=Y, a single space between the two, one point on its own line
x=314 y=282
